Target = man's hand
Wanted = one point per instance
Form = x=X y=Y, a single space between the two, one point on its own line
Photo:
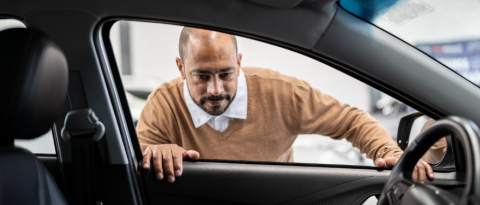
x=167 y=160
x=421 y=170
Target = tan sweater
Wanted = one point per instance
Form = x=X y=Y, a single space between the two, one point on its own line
x=279 y=108
x=435 y=153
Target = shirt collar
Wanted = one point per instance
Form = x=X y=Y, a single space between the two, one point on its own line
x=237 y=109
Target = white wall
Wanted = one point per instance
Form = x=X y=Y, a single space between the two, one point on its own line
x=154 y=48
x=446 y=21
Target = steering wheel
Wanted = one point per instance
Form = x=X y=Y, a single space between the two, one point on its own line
x=400 y=187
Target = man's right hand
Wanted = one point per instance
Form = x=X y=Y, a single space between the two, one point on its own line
x=167 y=160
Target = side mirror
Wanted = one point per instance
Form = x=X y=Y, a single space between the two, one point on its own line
x=410 y=126
x=405 y=127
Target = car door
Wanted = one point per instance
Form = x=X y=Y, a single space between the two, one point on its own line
x=318 y=29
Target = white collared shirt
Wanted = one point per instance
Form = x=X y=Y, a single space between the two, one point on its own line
x=237 y=109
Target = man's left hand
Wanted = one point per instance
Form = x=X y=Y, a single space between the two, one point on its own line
x=421 y=170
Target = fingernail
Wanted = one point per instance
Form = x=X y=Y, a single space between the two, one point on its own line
x=145 y=166
x=159 y=176
x=178 y=173
x=171 y=179
x=423 y=182
x=431 y=175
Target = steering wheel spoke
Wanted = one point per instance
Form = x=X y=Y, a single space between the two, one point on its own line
x=397 y=191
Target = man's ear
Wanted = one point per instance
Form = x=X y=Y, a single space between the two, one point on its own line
x=180 y=67
x=239 y=62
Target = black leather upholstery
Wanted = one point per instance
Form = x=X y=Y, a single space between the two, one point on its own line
x=24 y=179
x=33 y=88
x=34 y=82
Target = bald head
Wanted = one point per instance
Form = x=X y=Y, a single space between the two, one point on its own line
x=210 y=65
x=200 y=37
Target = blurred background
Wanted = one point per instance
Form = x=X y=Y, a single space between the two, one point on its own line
x=145 y=53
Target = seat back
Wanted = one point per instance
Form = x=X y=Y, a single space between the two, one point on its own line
x=33 y=88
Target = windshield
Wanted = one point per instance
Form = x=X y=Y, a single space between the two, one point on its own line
x=447 y=30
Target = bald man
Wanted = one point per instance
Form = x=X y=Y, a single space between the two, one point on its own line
x=217 y=109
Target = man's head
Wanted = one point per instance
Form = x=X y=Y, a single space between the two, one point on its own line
x=210 y=64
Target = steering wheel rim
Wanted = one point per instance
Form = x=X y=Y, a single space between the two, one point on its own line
x=462 y=129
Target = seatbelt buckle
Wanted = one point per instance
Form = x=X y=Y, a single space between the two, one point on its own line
x=81 y=122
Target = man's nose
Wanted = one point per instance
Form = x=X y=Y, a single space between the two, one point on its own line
x=215 y=87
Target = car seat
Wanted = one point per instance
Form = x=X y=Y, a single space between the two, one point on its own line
x=33 y=89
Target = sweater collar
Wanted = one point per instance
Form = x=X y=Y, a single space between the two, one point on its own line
x=237 y=109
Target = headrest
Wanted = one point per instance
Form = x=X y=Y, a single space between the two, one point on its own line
x=34 y=82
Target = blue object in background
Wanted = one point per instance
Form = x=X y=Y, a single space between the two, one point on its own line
x=462 y=57
x=365 y=9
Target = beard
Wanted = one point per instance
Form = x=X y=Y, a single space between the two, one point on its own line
x=217 y=109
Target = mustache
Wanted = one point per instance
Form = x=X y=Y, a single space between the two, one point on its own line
x=215 y=98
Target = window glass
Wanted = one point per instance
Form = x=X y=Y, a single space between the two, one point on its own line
x=40 y=145
x=146 y=53
x=43 y=144
x=446 y=30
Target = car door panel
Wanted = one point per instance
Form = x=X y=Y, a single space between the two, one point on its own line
x=276 y=183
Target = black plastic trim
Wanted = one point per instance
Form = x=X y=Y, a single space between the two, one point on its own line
x=205 y=182
x=405 y=127
x=129 y=144
x=105 y=35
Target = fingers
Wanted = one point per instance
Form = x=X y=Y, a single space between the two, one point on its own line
x=391 y=161
x=429 y=170
x=421 y=172
x=415 y=173
x=167 y=160
x=191 y=154
x=387 y=162
x=177 y=155
x=147 y=155
x=157 y=162
x=380 y=162
x=168 y=163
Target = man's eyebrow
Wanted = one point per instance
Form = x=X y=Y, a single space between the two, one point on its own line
x=225 y=69
x=199 y=70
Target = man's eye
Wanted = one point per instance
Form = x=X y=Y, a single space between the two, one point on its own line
x=226 y=74
x=202 y=76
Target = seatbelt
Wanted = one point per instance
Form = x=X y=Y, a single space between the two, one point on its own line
x=81 y=129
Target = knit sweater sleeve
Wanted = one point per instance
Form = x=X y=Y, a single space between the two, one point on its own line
x=153 y=123
x=319 y=113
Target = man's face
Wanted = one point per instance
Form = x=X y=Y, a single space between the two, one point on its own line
x=211 y=71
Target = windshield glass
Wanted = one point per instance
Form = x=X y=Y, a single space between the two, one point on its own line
x=447 y=30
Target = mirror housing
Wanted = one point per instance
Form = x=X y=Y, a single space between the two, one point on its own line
x=405 y=127
x=403 y=138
